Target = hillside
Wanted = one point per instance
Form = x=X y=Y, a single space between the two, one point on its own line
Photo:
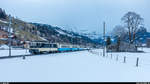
x=56 y=34
x=22 y=30
x=25 y=31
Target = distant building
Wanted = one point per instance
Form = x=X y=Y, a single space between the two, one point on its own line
x=124 y=47
x=148 y=43
x=3 y=34
x=3 y=37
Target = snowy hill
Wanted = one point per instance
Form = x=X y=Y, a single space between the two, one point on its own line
x=57 y=34
x=25 y=31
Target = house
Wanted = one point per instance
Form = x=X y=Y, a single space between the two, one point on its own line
x=3 y=37
x=148 y=43
x=122 y=47
x=3 y=34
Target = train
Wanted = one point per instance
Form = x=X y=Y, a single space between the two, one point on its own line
x=46 y=47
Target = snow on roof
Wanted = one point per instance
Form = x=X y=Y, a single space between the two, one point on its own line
x=3 y=38
x=4 y=47
x=3 y=21
x=43 y=38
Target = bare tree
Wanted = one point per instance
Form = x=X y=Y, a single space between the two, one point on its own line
x=132 y=22
x=119 y=31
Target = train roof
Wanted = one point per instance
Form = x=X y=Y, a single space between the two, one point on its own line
x=38 y=41
x=42 y=42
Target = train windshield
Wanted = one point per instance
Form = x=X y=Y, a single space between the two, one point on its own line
x=35 y=45
x=55 y=45
x=42 y=45
x=49 y=46
x=46 y=46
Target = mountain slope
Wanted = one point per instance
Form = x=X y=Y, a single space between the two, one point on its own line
x=25 y=31
x=56 y=34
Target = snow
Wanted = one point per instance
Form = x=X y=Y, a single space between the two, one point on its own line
x=4 y=47
x=14 y=51
x=82 y=66
x=43 y=38
x=63 y=33
x=3 y=21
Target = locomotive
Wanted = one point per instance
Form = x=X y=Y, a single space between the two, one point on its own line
x=46 y=47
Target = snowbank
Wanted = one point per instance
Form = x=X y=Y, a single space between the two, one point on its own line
x=14 y=52
x=80 y=66
x=4 y=47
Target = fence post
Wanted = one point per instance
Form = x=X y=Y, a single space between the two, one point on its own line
x=111 y=55
x=124 y=59
x=24 y=57
x=106 y=54
x=137 y=62
x=117 y=58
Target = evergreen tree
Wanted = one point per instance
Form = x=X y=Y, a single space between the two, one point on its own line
x=108 y=42
x=2 y=14
x=118 y=43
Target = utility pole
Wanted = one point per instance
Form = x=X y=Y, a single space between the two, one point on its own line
x=104 y=39
x=9 y=36
x=36 y=30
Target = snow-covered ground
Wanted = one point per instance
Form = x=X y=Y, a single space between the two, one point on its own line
x=4 y=51
x=14 y=52
x=82 y=66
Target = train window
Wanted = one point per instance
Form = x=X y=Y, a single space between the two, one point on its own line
x=38 y=45
x=33 y=45
x=45 y=45
x=55 y=46
x=63 y=46
x=50 y=45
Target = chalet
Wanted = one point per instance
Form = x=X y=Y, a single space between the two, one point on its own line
x=3 y=34
x=123 y=47
x=148 y=43
x=3 y=37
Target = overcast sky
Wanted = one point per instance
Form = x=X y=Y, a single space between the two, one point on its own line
x=77 y=14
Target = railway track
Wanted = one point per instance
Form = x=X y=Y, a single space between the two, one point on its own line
x=19 y=56
x=30 y=55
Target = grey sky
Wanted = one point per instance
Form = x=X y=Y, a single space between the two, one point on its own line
x=80 y=14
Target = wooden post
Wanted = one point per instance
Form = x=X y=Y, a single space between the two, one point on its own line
x=117 y=58
x=9 y=35
x=24 y=57
x=104 y=39
x=137 y=62
x=124 y=59
x=106 y=54
x=111 y=55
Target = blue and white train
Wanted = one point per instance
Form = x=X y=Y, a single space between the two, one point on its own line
x=45 y=47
